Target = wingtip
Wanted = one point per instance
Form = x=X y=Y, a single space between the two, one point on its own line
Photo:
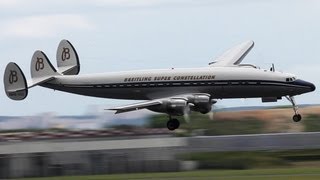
x=117 y=111
x=250 y=41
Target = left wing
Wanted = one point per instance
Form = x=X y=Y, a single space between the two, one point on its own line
x=178 y=102
x=136 y=106
x=233 y=56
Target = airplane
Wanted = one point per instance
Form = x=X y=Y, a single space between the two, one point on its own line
x=174 y=91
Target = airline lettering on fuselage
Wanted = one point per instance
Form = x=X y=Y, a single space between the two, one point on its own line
x=168 y=78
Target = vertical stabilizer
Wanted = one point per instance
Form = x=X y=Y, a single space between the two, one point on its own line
x=15 y=83
x=67 y=59
x=41 y=66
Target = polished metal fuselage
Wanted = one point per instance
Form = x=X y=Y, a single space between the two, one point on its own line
x=219 y=82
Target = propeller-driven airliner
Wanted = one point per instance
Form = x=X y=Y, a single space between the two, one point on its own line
x=174 y=91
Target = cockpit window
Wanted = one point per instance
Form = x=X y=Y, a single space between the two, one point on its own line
x=291 y=79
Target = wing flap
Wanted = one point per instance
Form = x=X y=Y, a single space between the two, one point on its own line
x=233 y=56
x=135 y=106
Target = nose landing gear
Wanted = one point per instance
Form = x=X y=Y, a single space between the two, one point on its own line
x=173 y=124
x=296 y=117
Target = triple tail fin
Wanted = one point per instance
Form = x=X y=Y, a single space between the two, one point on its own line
x=67 y=59
x=42 y=71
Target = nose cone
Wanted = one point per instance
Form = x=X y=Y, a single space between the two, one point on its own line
x=312 y=87
x=305 y=84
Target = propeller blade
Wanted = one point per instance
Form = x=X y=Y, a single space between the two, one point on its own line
x=186 y=113
x=186 y=118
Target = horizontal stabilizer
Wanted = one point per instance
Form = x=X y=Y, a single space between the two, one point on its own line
x=67 y=59
x=15 y=83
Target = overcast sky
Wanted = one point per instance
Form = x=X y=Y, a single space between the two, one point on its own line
x=114 y=35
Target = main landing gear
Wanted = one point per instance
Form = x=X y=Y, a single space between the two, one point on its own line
x=173 y=124
x=296 y=117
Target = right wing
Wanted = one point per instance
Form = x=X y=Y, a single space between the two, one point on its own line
x=233 y=56
x=136 y=106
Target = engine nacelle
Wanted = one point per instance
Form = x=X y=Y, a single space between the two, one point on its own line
x=201 y=103
x=175 y=107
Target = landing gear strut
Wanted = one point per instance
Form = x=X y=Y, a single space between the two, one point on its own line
x=296 y=117
x=173 y=124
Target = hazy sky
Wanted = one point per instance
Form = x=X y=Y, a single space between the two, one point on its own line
x=114 y=35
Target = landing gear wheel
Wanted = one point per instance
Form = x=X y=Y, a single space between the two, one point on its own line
x=173 y=124
x=296 y=118
x=176 y=123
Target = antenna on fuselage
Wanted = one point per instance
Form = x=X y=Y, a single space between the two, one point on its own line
x=272 y=68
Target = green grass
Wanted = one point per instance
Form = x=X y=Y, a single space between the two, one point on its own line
x=251 y=159
x=270 y=174
x=312 y=123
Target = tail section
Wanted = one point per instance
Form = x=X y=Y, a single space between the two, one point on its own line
x=41 y=69
x=67 y=59
x=15 y=83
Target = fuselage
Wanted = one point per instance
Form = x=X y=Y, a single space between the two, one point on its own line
x=219 y=82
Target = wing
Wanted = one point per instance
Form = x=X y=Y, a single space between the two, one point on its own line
x=193 y=98
x=233 y=56
x=136 y=106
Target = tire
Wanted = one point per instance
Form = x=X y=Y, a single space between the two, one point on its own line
x=296 y=118
x=171 y=125
x=176 y=123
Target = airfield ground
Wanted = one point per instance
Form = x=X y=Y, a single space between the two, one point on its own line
x=270 y=174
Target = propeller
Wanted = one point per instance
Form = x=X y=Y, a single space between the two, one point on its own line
x=187 y=111
x=213 y=111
